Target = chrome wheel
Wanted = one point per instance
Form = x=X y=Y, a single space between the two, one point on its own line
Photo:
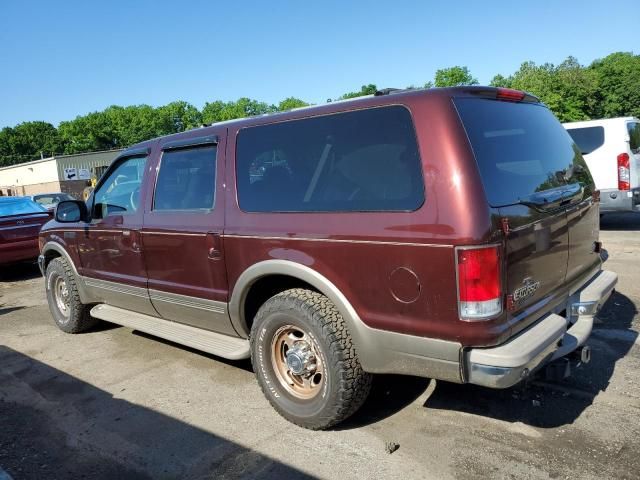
x=297 y=363
x=61 y=295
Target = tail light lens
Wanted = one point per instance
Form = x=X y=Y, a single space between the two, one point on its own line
x=623 y=171
x=479 y=282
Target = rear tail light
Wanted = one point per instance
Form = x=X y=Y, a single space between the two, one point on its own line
x=479 y=282
x=623 y=171
x=510 y=95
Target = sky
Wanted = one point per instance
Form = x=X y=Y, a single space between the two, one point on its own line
x=61 y=59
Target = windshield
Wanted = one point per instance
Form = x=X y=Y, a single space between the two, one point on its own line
x=521 y=149
x=18 y=206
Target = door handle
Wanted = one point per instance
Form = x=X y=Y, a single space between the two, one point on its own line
x=133 y=238
x=214 y=246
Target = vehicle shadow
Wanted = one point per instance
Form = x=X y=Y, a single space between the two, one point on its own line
x=548 y=404
x=6 y=310
x=242 y=364
x=628 y=221
x=389 y=395
x=57 y=426
x=19 y=271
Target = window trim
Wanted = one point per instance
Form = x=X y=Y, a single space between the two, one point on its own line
x=208 y=141
x=341 y=212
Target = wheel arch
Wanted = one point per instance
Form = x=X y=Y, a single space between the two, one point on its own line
x=301 y=276
x=51 y=250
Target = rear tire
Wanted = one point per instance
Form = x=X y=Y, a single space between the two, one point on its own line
x=68 y=312
x=304 y=359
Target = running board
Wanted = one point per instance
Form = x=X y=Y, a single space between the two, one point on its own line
x=224 y=346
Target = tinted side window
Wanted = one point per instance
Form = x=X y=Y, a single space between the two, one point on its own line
x=634 y=136
x=365 y=160
x=119 y=194
x=186 y=180
x=587 y=138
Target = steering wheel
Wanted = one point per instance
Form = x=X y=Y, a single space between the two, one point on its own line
x=133 y=198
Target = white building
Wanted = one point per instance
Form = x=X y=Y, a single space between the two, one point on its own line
x=63 y=173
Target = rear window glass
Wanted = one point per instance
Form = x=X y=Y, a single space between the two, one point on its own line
x=18 y=206
x=521 y=148
x=634 y=136
x=588 y=139
x=365 y=160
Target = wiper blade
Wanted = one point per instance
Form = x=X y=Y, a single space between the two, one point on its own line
x=553 y=198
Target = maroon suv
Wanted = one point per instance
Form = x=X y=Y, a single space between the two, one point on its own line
x=445 y=233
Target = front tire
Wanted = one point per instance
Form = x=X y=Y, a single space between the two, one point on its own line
x=68 y=312
x=305 y=361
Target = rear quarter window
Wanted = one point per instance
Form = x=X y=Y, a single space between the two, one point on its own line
x=588 y=139
x=365 y=160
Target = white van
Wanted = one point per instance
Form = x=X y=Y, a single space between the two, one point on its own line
x=611 y=148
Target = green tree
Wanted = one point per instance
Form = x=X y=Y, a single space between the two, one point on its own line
x=87 y=133
x=179 y=116
x=290 y=103
x=219 y=111
x=500 y=81
x=567 y=89
x=618 y=80
x=370 y=89
x=454 y=77
x=28 y=141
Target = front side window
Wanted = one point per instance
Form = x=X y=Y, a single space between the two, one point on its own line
x=634 y=136
x=187 y=179
x=119 y=194
x=365 y=160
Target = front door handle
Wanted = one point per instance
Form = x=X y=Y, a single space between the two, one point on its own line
x=132 y=237
x=214 y=246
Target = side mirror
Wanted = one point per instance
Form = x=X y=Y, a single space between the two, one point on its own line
x=70 y=211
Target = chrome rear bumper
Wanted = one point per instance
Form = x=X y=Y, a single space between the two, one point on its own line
x=550 y=338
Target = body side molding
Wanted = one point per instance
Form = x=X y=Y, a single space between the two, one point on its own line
x=380 y=351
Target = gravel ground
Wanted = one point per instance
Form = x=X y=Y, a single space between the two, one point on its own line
x=113 y=403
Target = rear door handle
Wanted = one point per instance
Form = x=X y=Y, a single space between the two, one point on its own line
x=214 y=246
